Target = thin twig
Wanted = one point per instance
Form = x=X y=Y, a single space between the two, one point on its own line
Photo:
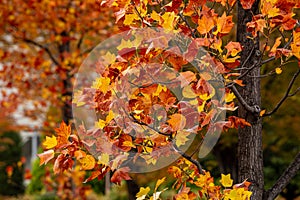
x=286 y=95
x=42 y=47
x=187 y=23
x=295 y=92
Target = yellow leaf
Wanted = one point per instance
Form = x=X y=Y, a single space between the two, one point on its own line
x=110 y=116
x=159 y=89
x=87 y=163
x=226 y=181
x=101 y=84
x=128 y=144
x=130 y=18
x=100 y=124
x=187 y=92
x=124 y=44
x=169 y=18
x=50 y=142
x=142 y=193
x=229 y=97
x=109 y=58
x=181 y=138
x=296 y=44
x=262 y=113
x=159 y=182
x=103 y=159
x=278 y=70
x=155 y=16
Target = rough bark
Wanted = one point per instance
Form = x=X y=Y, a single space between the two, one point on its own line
x=250 y=154
x=132 y=189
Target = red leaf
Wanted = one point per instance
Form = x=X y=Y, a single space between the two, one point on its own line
x=120 y=174
x=62 y=163
x=247 y=4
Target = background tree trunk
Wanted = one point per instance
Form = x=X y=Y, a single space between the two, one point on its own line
x=250 y=154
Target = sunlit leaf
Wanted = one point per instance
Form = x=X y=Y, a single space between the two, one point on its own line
x=50 y=142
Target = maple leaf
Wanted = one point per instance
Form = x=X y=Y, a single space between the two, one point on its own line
x=120 y=174
x=233 y=48
x=229 y=97
x=63 y=133
x=50 y=142
x=224 y=24
x=46 y=156
x=226 y=181
x=274 y=48
x=236 y=122
x=168 y=20
x=88 y=162
x=62 y=163
x=97 y=174
x=182 y=138
x=205 y=24
x=247 y=4
x=142 y=193
x=102 y=84
x=296 y=45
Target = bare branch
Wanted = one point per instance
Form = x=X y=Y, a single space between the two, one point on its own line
x=286 y=95
x=252 y=109
x=284 y=179
x=295 y=92
x=42 y=47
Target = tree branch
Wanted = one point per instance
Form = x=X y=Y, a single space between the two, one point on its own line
x=286 y=95
x=252 y=109
x=284 y=179
x=176 y=149
x=195 y=162
x=42 y=47
x=273 y=58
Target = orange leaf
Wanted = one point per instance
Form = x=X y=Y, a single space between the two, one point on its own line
x=120 y=174
x=88 y=162
x=205 y=24
x=239 y=82
x=274 y=48
x=63 y=133
x=224 y=24
x=46 y=156
x=233 y=48
x=177 y=122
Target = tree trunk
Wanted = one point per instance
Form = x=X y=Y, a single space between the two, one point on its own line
x=250 y=154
